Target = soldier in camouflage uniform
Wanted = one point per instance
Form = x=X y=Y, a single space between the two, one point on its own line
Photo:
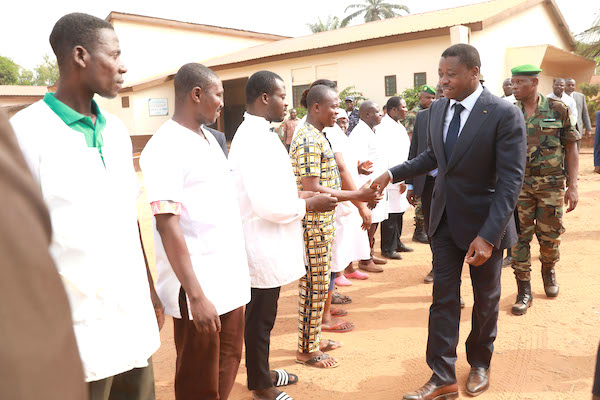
x=551 y=138
x=425 y=99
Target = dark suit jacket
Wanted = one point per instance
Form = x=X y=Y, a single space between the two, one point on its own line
x=418 y=145
x=221 y=139
x=597 y=141
x=479 y=186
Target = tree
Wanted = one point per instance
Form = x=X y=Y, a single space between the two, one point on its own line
x=9 y=71
x=374 y=10
x=46 y=73
x=590 y=44
x=330 y=24
x=411 y=96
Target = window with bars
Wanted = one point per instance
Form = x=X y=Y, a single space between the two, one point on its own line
x=297 y=94
x=390 y=85
x=420 y=79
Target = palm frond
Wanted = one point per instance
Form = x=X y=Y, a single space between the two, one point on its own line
x=355 y=14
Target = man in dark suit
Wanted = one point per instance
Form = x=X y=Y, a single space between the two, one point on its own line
x=221 y=139
x=477 y=141
x=421 y=186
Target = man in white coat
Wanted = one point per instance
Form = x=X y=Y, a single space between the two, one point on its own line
x=394 y=143
x=272 y=213
x=82 y=160
x=364 y=145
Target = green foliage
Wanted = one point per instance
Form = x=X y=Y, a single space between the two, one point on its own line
x=591 y=96
x=374 y=10
x=411 y=96
x=46 y=73
x=301 y=112
x=351 y=91
x=330 y=24
x=9 y=71
x=589 y=44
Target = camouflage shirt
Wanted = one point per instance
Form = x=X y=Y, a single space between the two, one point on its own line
x=353 y=118
x=549 y=130
x=411 y=117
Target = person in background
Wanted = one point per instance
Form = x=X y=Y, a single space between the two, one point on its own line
x=201 y=260
x=426 y=97
x=37 y=343
x=82 y=161
x=507 y=88
x=584 y=125
x=289 y=127
x=394 y=142
x=220 y=136
x=363 y=141
x=272 y=222
x=342 y=120
x=558 y=93
x=353 y=114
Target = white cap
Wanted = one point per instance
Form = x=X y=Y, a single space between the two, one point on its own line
x=341 y=113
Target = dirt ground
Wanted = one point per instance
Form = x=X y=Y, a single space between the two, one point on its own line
x=547 y=354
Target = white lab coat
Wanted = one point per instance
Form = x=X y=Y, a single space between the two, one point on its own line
x=181 y=166
x=393 y=139
x=365 y=147
x=270 y=208
x=95 y=243
x=351 y=243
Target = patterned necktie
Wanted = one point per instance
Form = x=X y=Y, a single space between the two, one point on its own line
x=453 y=129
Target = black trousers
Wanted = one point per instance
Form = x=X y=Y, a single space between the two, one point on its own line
x=391 y=230
x=260 y=318
x=596 y=389
x=444 y=314
x=426 y=201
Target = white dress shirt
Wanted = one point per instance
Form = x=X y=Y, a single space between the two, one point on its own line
x=468 y=103
x=181 y=166
x=95 y=242
x=271 y=210
x=570 y=102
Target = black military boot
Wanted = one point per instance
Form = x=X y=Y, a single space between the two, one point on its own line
x=550 y=285
x=420 y=235
x=524 y=298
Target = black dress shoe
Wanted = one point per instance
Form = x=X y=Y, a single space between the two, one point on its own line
x=478 y=381
x=403 y=249
x=394 y=255
x=433 y=391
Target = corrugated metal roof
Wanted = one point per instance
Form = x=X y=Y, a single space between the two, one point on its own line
x=22 y=90
x=413 y=23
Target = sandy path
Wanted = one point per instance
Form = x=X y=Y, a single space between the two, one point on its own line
x=547 y=354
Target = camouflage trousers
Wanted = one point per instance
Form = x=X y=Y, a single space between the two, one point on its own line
x=419 y=218
x=540 y=207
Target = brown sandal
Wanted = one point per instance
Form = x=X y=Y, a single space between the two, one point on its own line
x=313 y=361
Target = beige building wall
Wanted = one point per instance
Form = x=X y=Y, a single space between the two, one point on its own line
x=150 y=50
x=531 y=27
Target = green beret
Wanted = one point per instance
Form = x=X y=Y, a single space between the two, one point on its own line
x=427 y=89
x=527 y=69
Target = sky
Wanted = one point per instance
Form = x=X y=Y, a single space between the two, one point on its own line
x=25 y=26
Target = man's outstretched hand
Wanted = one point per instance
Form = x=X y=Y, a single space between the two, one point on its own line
x=381 y=182
x=479 y=252
x=321 y=203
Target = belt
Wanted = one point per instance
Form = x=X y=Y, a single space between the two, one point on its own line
x=540 y=171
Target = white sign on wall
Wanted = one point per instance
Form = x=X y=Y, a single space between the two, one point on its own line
x=158 y=107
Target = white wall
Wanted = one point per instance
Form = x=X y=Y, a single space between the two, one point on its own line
x=532 y=27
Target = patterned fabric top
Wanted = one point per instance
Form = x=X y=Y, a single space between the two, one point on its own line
x=311 y=155
x=165 y=207
x=411 y=117
x=549 y=130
